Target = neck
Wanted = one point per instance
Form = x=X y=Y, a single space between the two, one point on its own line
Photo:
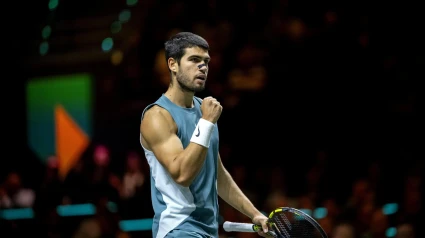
x=180 y=97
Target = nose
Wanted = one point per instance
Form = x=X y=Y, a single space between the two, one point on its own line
x=203 y=68
x=202 y=65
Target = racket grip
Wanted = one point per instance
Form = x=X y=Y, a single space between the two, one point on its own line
x=238 y=227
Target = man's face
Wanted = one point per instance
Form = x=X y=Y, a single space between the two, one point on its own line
x=193 y=69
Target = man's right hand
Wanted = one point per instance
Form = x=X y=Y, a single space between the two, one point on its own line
x=211 y=109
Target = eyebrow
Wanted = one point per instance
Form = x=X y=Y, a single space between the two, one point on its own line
x=200 y=57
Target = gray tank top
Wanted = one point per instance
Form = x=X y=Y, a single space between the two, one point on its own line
x=194 y=208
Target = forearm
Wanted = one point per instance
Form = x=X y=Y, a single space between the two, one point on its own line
x=230 y=192
x=187 y=165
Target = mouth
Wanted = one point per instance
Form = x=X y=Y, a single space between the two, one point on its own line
x=201 y=77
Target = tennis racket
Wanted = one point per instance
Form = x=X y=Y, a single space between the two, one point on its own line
x=284 y=222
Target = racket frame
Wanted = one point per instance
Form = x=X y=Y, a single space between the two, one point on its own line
x=249 y=227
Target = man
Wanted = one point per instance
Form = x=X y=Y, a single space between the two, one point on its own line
x=179 y=135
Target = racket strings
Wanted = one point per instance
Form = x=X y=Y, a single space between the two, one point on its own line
x=289 y=225
x=281 y=224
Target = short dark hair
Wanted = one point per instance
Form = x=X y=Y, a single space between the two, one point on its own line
x=176 y=46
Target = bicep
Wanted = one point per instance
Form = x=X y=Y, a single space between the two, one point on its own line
x=159 y=133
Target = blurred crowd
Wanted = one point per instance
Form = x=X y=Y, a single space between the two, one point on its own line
x=97 y=181
x=92 y=180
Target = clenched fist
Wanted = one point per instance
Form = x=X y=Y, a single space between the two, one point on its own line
x=211 y=109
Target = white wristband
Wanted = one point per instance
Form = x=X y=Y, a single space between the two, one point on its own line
x=202 y=133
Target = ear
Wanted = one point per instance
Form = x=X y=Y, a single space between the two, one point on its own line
x=172 y=65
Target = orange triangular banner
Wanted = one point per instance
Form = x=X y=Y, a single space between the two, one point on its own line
x=71 y=141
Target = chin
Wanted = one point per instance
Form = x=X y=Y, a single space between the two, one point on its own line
x=199 y=89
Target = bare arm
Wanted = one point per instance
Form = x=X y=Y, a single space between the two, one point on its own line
x=159 y=134
x=230 y=192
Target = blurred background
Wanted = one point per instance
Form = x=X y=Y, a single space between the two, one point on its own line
x=322 y=103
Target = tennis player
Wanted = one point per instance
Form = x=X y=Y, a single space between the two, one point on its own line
x=179 y=135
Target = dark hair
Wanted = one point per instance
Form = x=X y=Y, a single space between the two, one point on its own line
x=176 y=46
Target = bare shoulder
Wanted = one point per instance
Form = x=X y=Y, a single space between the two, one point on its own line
x=156 y=115
x=156 y=120
x=155 y=112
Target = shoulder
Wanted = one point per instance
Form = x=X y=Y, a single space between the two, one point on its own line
x=154 y=110
x=155 y=113
x=157 y=117
x=156 y=126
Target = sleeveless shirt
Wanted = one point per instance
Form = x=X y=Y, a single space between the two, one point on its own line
x=194 y=208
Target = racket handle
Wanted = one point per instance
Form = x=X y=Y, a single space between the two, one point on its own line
x=238 y=227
